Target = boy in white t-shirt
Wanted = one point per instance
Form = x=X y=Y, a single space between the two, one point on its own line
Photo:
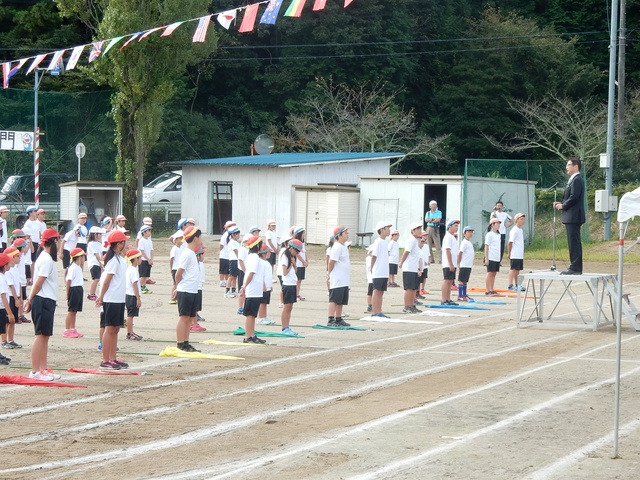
x=492 y=256
x=380 y=267
x=394 y=258
x=449 y=261
x=516 y=252
x=232 y=250
x=411 y=268
x=367 y=267
x=187 y=280
x=132 y=291
x=465 y=263
x=425 y=257
x=339 y=277
x=174 y=258
x=253 y=290
x=145 y=246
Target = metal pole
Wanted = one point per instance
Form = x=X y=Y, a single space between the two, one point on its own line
x=616 y=402
x=36 y=140
x=611 y=110
x=622 y=68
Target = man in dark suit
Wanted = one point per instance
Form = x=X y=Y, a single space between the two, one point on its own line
x=573 y=214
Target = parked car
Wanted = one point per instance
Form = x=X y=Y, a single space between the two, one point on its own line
x=165 y=188
x=18 y=189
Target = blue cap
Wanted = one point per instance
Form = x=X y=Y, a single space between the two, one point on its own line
x=145 y=228
x=233 y=230
x=452 y=222
x=181 y=222
x=254 y=229
x=298 y=230
x=468 y=229
x=31 y=208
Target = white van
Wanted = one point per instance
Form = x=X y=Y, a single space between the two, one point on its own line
x=166 y=188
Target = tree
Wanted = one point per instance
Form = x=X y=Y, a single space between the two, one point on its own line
x=363 y=119
x=145 y=74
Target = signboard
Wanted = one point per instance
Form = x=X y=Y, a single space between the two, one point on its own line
x=21 y=141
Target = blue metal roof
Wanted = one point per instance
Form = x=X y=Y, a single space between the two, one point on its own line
x=291 y=159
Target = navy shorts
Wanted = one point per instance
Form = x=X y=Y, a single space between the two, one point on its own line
x=369 y=290
x=410 y=280
x=66 y=259
x=199 y=301
x=393 y=269
x=447 y=274
x=144 y=269
x=240 y=279
x=131 y=302
x=13 y=306
x=74 y=300
x=96 y=271
x=425 y=273
x=42 y=312
x=233 y=268
x=301 y=273
x=380 y=284
x=517 y=264
x=223 y=269
x=493 y=266
x=339 y=296
x=289 y=294
x=3 y=320
x=464 y=275
x=251 y=306
x=187 y=304
x=113 y=314
x=266 y=297
x=272 y=259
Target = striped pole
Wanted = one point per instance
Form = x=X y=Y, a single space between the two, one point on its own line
x=36 y=168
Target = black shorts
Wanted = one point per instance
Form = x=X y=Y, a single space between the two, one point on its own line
x=66 y=259
x=240 y=279
x=517 y=264
x=447 y=274
x=187 y=304
x=266 y=297
x=199 y=300
x=144 y=269
x=369 y=289
x=339 y=296
x=272 y=259
x=301 y=273
x=464 y=274
x=251 y=306
x=96 y=271
x=289 y=294
x=131 y=302
x=425 y=273
x=13 y=306
x=24 y=292
x=74 y=300
x=233 y=268
x=34 y=254
x=102 y=325
x=410 y=280
x=223 y=269
x=173 y=275
x=393 y=269
x=493 y=266
x=114 y=314
x=27 y=271
x=83 y=246
x=42 y=312
x=4 y=319
x=380 y=284
x=280 y=280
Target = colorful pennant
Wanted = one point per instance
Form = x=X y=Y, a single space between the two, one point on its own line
x=270 y=15
x=295 y=9
x=249 y=19
x=201 y=32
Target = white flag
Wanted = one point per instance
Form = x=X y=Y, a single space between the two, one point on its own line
x=75 y=56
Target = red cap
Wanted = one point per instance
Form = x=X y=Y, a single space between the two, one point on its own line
x=297 y=244
x=133 y=253
x=76 y=252
x=253 y=241
x=48 y=234
x=117 y=236
x=4 y=259
x=12 y=251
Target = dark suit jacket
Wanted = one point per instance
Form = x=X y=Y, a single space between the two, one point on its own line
x=573 y=201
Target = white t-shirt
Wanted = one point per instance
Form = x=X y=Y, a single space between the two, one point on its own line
x=254 y=288
x=517 y=237
x=367 y=266
x=201 y=275
x=273 y=236
x=32 y=228
x=133 y=276
x=243 y=253
x=449 y=242
x=4 y=288
x=425 y=254
x=302 y=255
x=380 y=250
x=94 y=254
x=175 y=254
x=493 y=240
x=145 y=245
x=46 y=267
x=3 y=226
x=224 y=240
x=74 y=273
x=290 y=278
x=22 y=274
x=232 y=247
x=266 y=274
x=504 y=217
x=394 y=252
x=411 y=263
x=191 y=272
x=70 y=240
x=117 y=267
x=13 y=279
x=341 y=273
x=466 y=247
x=82 y=239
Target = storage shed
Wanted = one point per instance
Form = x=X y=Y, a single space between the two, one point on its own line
x=252 y=189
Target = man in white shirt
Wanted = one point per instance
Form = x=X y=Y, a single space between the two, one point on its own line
x=380 y=267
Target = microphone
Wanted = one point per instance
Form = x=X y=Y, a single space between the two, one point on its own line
x=551 y=187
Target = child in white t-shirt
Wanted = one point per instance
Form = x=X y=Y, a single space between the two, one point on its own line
x=465 y=263
x=133 y=290
x=425 y=257
x=265 y=255
x=75 y=292
x=516 y=252
x=394 y=257
x=145 y=246
x=492 y=247
x=232 y=250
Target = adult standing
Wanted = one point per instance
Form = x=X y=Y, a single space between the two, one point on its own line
x=505 y=222
x=4 y=214
x=573 y=214
x=433 y=218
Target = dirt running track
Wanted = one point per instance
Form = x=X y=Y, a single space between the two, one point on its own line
x=463 y=397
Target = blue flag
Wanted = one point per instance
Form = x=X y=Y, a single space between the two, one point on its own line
x=270 y=15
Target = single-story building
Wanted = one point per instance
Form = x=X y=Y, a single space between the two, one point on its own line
x=252 y=189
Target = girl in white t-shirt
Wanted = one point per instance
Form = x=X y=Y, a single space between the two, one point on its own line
x=492 y=256
x=394 y=257
x=232 y=250
x=94 y=260
x=301 y=261
x=465 y=264
x=253 y=289
x=75 y=293
x=265 y=255
x=174 y=258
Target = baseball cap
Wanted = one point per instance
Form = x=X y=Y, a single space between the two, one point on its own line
x=254 y=229
x=181 y=222
x=96 y=229
x=518 y=215
x=4 y=208
x=338 y=230
x=452 y=222
x=190 y=232
x=17 y=233
x=40 y=210
x=297 y=244
x=467 y=229
x=21 y=242
x=117 y=236
x=82 y=215
x=494 y=220
x=201 y=249
x=76 y=252
x=145 y=228
x=48 y=234
x=234 y=229
x=229 y=223
x=120 y=217
x=415 y=225
x=395 y=232
x=298 y=230
x=178 y=234
x=191 y=221
x=380 y=225
x=147 y=221
x=271 y=222
x=4 y=259
x=264 y=249
x=31 y=208
x=285 y=238
x=12 y=251
x=105 y=220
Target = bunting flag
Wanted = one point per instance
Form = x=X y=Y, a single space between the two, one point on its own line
x=319 y=5
x=56 y=59
x=75 y=56
x=36 y=62
x=149 y=32
x=169 y=30
x=270 y=15
x=249 y=19
x=131 y=39
x=96 y=50
x=347 y=3
x=295 y=9
x=201 y=32
x=5 y=74
x=111 y=44
x=227 y=18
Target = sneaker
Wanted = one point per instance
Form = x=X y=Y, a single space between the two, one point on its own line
x=191 y=348
x=522 y=289
x=7 y=345
x=369 y=309
x=454 y=288
x=281 y=305
x=511 y=287
x=345 y=315
x=173 y=301
x=424 y=292
x=92 y=296
x=109 y=365
x=491 y=293
x=2 y=357
x=55 y=376
x=151 y=282
x=240 y=311
x=420 y=296
x=133 y=336
x=301 y=298
x=223 y=284
x=416 y=302
x=14 y=344
x=449 y=302
x=78 y=334
x=288 y=331
x=145 y=290
x=414 y=309
x=254 y=339
x=100 y=347
x=230 y=295
x=380 y=315
x=265 y=321
x=5 y=361
x=71 y=333
x=341 y=323
x=197 y=328
x=41 y=375
x=199 y=318
x=121 y=363
x=331 y=323
x=407 y=309
x=24 y=319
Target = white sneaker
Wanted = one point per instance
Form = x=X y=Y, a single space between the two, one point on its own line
x=223 y=284
x=265 y=321
x=41 y=375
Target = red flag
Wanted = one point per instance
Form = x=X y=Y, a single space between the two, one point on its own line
x=169 y=30
x=20 y=380
x=201 y=32
x=319 y=5
x=5 y=74
x=36 y=62
x=249 y=19
x=347 y=3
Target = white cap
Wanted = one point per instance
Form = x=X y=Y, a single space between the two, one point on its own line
x=415 y=225
x=380 y=225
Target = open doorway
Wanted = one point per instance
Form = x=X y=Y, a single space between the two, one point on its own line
x=439 y=194
x=221 y=205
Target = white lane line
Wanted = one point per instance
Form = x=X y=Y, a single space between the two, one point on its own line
x=252 y=464
x=222 y=373
x=253 y=389
x=226 y=427
x=577 y=455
